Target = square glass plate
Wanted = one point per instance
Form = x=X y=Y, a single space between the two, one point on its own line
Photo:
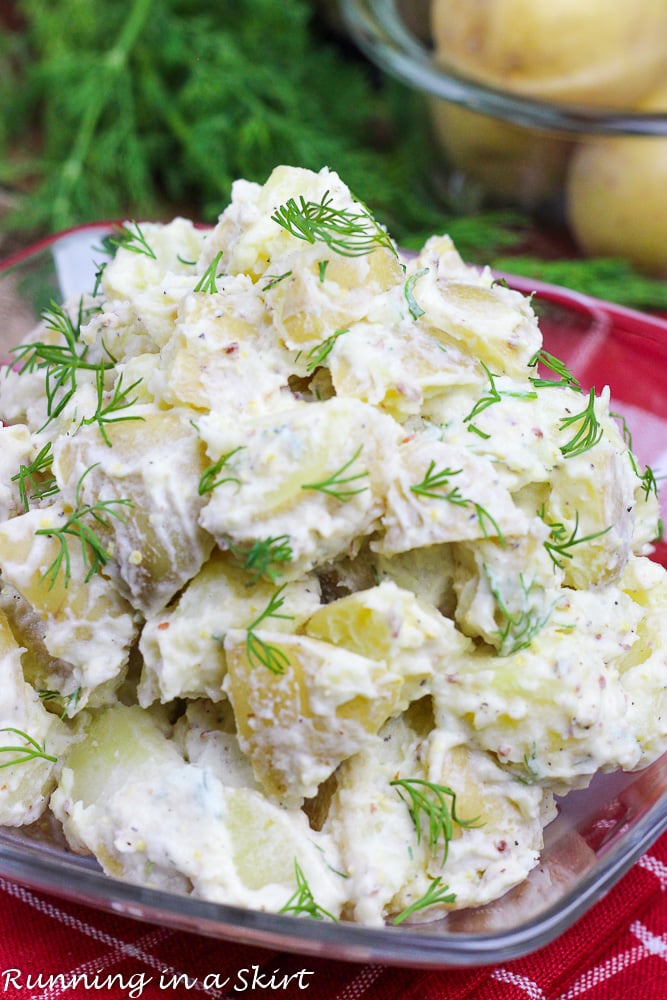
x=598 y=834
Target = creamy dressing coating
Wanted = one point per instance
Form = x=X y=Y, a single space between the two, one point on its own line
x=325 y=585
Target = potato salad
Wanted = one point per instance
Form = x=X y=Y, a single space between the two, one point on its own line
x=320 y=579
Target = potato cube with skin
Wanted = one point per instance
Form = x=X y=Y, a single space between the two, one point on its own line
x=154 y=819
x=644 y=666
x=398 y=370
x=314 y=474
x=31 y=740
x=85 y=624
x=555 y=712
x=302 y=706
x=391 y=624
x=492 y=322
x=221 y=354
x=443 y=493
x=154 y=464
x=182 y=646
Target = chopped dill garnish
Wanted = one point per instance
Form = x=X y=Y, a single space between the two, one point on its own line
x=555 y=365
x=436 y=893
x=264 y=557
x=346 y=232
x=111 y=411
x=260 y=652
x=318 y=354
x=337 y=484
x=275 y=280
x=588 y=434
x=434 y=806
x=494 y=395
x=559 y=544
x=29 y=750
x=130 y=237
x=207 y=282
x=209 y=477
x=77 y=525
x=415 y=309
x=35 y=481
x=517 y=630
x=302 y=901
x=435 y=486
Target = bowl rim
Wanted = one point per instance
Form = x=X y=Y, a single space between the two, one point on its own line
x=380 y=33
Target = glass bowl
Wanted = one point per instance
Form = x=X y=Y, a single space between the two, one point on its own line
x=598 y=833
x=506 y=137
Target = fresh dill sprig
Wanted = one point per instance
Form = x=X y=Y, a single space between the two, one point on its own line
x=346 y=232
x=435 y=485
x=77 y=525
x=35 y=481
x=434 y=806
x=29 y=750
x=208 y=280
x=647 y=478
x=302 y=900
x=209 y=477
x=518 y=630
x=559 y=544
x=589 y=432
x=555 y=365
x=494 y=395
x=275 y=279
x=436 y=481
x=436 y=893
x=415 y=309
x=111 y=411
x=60 y=361
x=69 y=701
x=319 y=354
x=337 y=484
x=263 y=653
x=131 y=237
x=264 y=557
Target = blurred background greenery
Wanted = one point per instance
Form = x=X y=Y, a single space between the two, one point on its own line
x=151 y=108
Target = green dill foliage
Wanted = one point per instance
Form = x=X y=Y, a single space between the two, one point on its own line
x=415 y=309
x=432 y=806
x=36 y=481
x=345 y=231
x=560 y=542
x=517 y=628
x=211 y=478
x=111 y=410
x=60 y=361
x=436 y=486
x=564 y=376
x=81 y=524
x=258 y=651
x=317 y=356
x=68 y=702
x=302 y=901
x=587 y=434
x=208 y=280
x=131 y=237
x=264 y=558
x=28 y=749
x=436 y=893
x=493 y=395
x=275 y=279
x=338 y=485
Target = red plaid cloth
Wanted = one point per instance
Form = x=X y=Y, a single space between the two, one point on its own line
x=51 y=949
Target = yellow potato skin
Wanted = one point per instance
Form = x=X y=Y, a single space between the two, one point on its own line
x=615 y=195
x=600 y=52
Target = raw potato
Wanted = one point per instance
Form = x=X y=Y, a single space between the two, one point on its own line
x=616 y=195
x=601 y=52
